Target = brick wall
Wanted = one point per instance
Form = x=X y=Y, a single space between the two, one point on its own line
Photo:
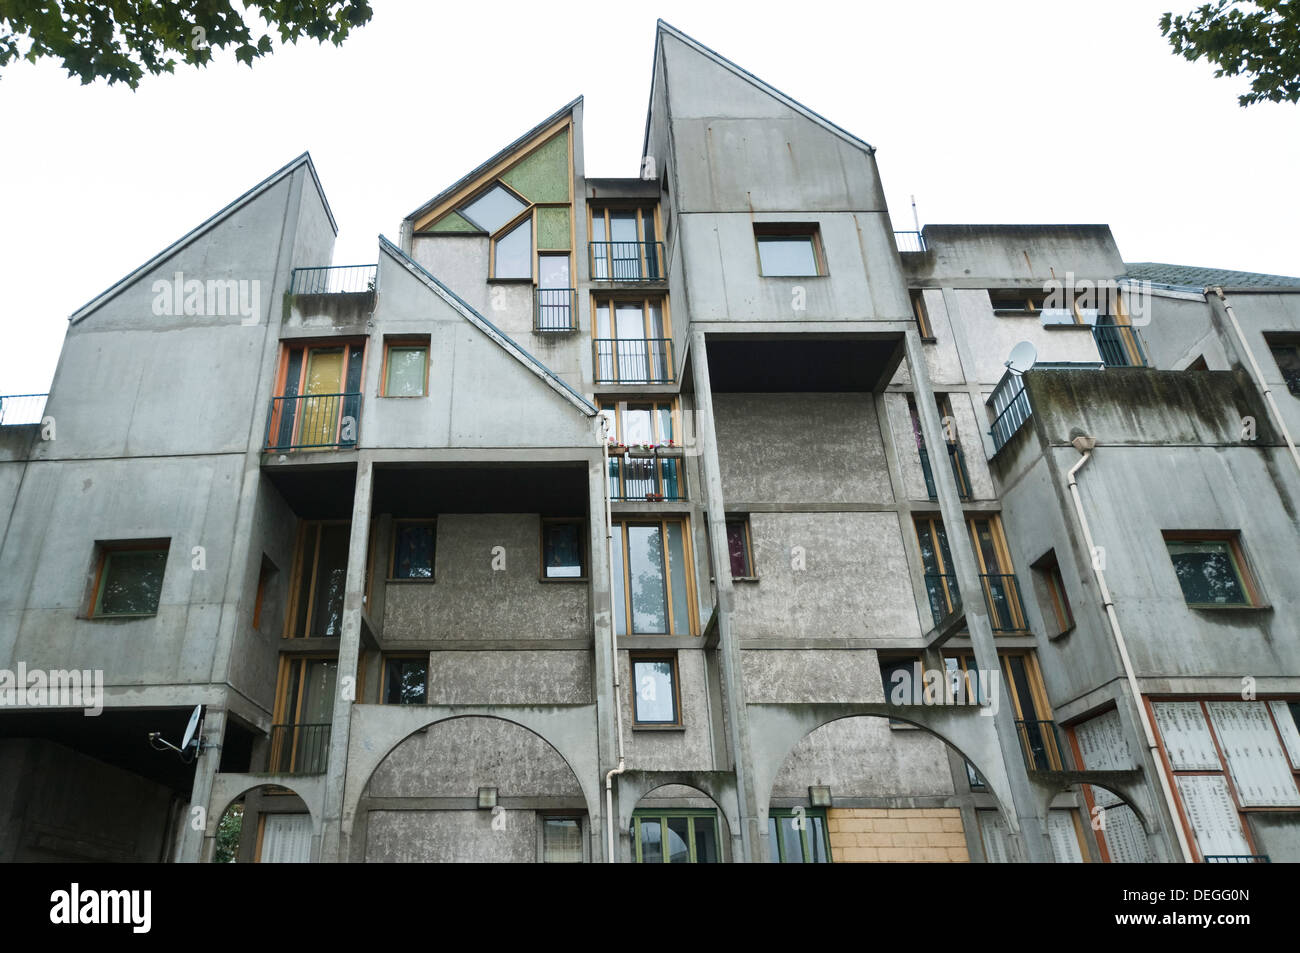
x=898 y=835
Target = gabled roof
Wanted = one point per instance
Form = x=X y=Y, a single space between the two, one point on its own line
x=506 y=342
x=209 y=223
x=1188 y=276
x=720 y=60
x=494 y=160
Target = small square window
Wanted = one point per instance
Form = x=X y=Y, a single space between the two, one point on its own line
x=406 y=680
x=1211 y=569
x=413 y=550
x=739 y=548
x=129 y=580
x=562 y=840
x=789 y=251
x=563 y=552
x=654 y=690
x=406 y=370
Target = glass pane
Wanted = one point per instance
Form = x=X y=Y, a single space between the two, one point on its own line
x=706 y=840
x=791 y=841
x=602 y=323
x=493 y=209
x=787 y=255
x=553 y=271
x=679 y=840
x=656 y=318
x=630 y=321
x=773 y=840
x=563 y=551
x=622 y=226
x=132 y=582
x=677 y=569
x=405 y=681
x=561 y=840
x=413 y=551
x=514 y=256
x=817 y=840
x=737 y=549
x=651 y=841
x=318 y=692
x=331 y=575
x=405 y=372
x=982 y=531
x=638 y=424
x=1206 y=572
x=617 y=567
x=653 y=685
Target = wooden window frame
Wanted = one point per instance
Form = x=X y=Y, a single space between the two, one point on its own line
x=432 y=523
x=612 y=299
x=584 y=544
x=655 y=814
x=387 y=657
x=671 y=658
x=1048 y=571
x=301 y=557
x=644 y=209
x=922 y=313
x=692 y=626
x=809 y=230
x=805 y=835
x=618 y=408
x=1240 y=562
x=743 y=520
x=103 y=557
x=1029 y=302
x=404 y=342
x=526 y=215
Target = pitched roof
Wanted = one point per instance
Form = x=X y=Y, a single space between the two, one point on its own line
x=1189 y=276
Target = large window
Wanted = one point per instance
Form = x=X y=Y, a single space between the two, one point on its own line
x=128 y=579
x=798 y=837
x=1020 y=684
x=625 y=245
x=997 y=579
x=652 y=578
x=633 y=340
x=675 y=837
x=642 y=474
x=654 y=690
x=1211 y=569
x=320 y=575
x=318 y=402
x=789 y=250
x=304 y=709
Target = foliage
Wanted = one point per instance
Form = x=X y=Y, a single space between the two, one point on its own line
x=232 y=823
x=1254 y=38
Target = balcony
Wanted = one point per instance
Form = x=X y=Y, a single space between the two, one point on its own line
x=909 y=241
x=959 y=472
x=19 y=409
x=1119 y=345
x=650 y=478
x=555 y=309
x=1040 y=741
x=299 y=749
x=313 y=422
x=1011 y=405
x=333 y=280
x=1001 y=596
x=627 y=261
x=633 y=360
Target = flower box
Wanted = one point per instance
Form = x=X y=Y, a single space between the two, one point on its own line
x=641 y=452
x=654 y=497
x=670 y=452
x=617 y=449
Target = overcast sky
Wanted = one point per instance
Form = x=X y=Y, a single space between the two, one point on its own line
x=986 y=112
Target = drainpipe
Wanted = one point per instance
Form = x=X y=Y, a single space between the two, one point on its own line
x=1258 y=376
x=1085 y=444
x=613 y=654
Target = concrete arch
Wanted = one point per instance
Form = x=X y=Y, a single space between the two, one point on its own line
x=229 y=788
x=718 y=786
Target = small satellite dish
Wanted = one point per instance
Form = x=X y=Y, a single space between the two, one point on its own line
x=1022 y=357
x=192 y=727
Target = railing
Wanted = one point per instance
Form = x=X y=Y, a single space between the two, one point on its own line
x=18 y=409
x=1119 y=345
x=1011 y=404
x=645 y=478
x=909 y=241
x=1001 y=596
x=1237 y=859
x=633 y=360
x=1041 y=743
x=959 y=472
x=555 y=309
x=300 y=749
x=313 y=422
x=333 y=280
x=627 y=261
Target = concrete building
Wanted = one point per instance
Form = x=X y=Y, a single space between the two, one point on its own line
x=604 y=519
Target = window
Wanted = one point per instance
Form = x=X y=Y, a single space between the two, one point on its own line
x=413 y=549
x=1048 y=572
x=633 y=340
x=554 y=307
x=798 y=837
x=997 y=579
x=675 y=837
x=789 y=251
x=1287 y=355
x=625 y=245
x=561 y=840
x=740 y=548
x=657 y=474
x=1211 y=568
x=956 y=459
x=1019 y=682
x=320 y=572
x=405 y=680
x=922 y=315
x=265 y=579
x=512 y=253
x=494 y=209
x=652 y=578
x=564 y=549
x=406 y=368
x=318 y=402
x=654 y=690
x=128 y=579
x=1016 y=301
x=304 y=709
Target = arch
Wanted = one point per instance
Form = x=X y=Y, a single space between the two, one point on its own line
x=236 y=788
x=714 y=786
x=1131 y=794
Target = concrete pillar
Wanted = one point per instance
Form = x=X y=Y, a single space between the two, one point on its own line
x=334 y=846
x=605 y=658
x=753 y=835
x=194 y=827
x=972 y=597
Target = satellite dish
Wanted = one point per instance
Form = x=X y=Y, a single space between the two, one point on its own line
x=1022 y=357
x=192 y=726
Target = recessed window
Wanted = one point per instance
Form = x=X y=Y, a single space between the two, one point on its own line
x=922 y=315
x=1211 y=569
x=406 y=680
x=1059 y=614
x=652 y=578
x=129 y=579
x=1287 y=355
x=413 y=549
x=739 y=548
x=654 y=690
x=675 y=837
x=563 y=552
x=798 y=837
x=406 y=368
x=562 y=840
x=788 y=251
x=652 y=469
x=625 y=246
x=1016 y=301
x=633 y=338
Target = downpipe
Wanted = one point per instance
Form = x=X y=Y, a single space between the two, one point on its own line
x=613 y=654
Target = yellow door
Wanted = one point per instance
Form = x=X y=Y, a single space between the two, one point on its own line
x=320 y=413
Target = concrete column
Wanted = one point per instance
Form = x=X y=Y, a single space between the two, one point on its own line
x=205 y=772
x=605 y=659
x=972 y=598
x=753 y=835
x=334 y=846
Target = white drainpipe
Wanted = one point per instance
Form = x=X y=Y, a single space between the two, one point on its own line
x=613 y=647
x=1085 y=445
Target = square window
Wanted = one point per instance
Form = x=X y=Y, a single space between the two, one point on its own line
x=413 y=550
x=654 y=690
x=129 y=580
x=406 y=369
x=739 y=549
x=798 y=836
x=562 y=840
x=406 y=680
x=788 y=251
x=1211 y=569
x=563 y=552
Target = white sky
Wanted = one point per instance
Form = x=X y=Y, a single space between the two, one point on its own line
x=1013 y=112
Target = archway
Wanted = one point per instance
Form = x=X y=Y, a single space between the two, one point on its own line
x=267 y=824
x=676 y=822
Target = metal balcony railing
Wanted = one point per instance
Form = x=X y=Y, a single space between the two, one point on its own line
x=633 y=478
x=909 y=241
x=1001 y=596
x=555 y=309
x=1011 y=405
x=959 y=472
x=300 y=749
x=627 y=261
x=313 y=422
x=633 y=360
x=1119 y=345
x=334 y=280
x=1041 y=743
x=18 y=409
x=1237 y=859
